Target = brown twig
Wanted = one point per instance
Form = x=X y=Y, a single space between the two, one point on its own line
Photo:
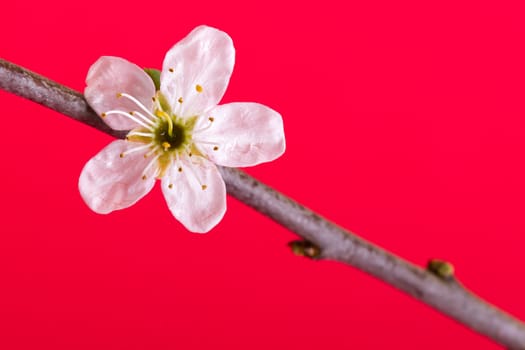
x=444 y=293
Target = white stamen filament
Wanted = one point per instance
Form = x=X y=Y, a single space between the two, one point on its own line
x=138 y=133
x=178 y=163
x=139 y=104
x=155 y=149
x=210 y=123
x=136 y=149
x=143 y=117
x=205 y=142
x=187 y=150
x=127 y=115
x=150 y=164
x=192 y=171
x=157 y=103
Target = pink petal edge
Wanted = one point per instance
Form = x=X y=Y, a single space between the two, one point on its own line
x=197 y=69
x=109 y=76
x=109 y=182
x=246 y=134
x=198 y=209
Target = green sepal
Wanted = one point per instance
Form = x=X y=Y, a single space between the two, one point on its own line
x=155 y=76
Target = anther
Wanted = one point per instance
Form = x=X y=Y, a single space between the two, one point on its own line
x=119 y=95
x=215 y=148
x=121 y=155
x=144 y=177
x=103 y=115
x=211 y=119
x=190 y=154
x=170 y=186
x=204 y=187
x=154 y=99
x=131 y=113
x=171 y=70
x=180 y=100
x=166 y=145
x=198 y=88
x=180 y=169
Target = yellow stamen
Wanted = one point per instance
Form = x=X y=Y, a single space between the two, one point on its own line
x=215 y=148
x=211 y=119
x=166 y=145
x=170 y=186
x=161 y=114
x=180 y=100
x=171 y=70
x=198 y=88
x=204 y=187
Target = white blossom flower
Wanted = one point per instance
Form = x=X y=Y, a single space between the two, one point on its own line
x=177 y=133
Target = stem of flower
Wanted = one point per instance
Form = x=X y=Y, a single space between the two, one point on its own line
x=446 y=295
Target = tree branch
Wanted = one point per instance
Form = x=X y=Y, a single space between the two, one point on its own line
x=434 y=287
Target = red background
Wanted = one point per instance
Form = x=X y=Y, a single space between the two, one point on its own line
x=404 y=123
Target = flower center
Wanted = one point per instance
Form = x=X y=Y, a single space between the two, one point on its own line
x=170 y=135
x=164 y=137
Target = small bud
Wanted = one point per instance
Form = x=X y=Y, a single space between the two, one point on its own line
x=440 y=268
x=305 y=248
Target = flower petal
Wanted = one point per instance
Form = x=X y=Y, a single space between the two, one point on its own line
x=109 y=76
x=197 y=197
x=109 y=182
x=196 y=71
x=241 y=134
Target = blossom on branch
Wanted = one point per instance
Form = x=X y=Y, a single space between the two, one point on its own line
x=178 y=133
